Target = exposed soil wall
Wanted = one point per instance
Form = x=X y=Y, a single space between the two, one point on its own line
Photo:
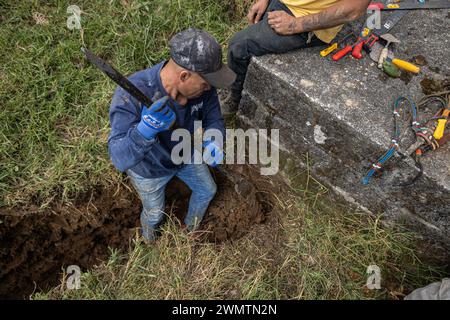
x=36 y=245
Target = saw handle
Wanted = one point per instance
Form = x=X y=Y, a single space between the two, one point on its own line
x=368 y=44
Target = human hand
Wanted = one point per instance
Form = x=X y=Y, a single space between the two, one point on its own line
x=212 y=154
x=158 y=118
x=257 y=11
x=283 y=23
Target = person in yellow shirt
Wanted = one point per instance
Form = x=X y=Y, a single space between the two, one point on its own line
x=278 y=26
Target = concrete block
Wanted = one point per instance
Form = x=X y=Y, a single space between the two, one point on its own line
x=340 y=113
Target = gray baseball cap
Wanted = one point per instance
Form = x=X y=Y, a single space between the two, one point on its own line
x=198 y=51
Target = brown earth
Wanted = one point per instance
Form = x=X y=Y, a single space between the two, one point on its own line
x=37 y=244
x=432 y=86
x=233 y=212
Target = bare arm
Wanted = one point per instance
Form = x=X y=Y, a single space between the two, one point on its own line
x=343 y=12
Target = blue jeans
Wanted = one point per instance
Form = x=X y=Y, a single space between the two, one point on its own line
x=152 y=193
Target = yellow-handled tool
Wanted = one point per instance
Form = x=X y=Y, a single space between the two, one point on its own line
x=334 y=46
x=402 y=64
x=439 y=132
x=329 y=50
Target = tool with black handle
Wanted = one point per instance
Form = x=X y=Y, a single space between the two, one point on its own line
x=119 y=79
x=124 y=83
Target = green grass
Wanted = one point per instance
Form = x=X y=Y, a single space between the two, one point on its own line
x=53 y=147
x=54 y=105
x=313 y=251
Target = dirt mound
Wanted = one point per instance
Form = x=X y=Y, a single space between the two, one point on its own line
x=232 y=212
x=243 y=198
x=36 y=245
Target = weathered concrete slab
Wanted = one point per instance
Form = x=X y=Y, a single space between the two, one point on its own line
x=341 y=114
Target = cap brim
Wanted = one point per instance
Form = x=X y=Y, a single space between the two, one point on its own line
x=222 y=78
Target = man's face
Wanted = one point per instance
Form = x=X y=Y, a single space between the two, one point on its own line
x=192 y=85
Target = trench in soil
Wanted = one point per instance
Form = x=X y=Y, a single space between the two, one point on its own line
x=37 y=245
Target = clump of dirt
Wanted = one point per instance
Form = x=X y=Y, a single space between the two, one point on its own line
x=37 y=244
x=244 y=198
x=235 y=210
x=430 y=85
x=420 y=60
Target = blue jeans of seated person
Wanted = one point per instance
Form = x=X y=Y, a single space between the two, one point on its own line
x=152 y=194
x=259 y=39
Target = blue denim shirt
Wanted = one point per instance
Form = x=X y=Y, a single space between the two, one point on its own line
x=128 y=149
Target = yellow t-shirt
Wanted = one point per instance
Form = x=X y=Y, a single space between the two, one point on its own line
x=301 y=8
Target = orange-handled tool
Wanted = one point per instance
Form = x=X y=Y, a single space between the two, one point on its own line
x=342 y=53
x=357 y=49
x=334 y=46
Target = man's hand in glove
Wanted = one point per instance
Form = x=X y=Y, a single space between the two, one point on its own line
x=212 y=153
x=158 y=118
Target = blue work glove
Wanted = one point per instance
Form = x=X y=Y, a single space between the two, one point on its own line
x=158 y=118
x=212 y=153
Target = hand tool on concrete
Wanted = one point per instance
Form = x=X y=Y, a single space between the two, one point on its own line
x=334 y=46
x=407 y=66
x=373 y=35
x=347 y=49
x=391 y=69
x=411 y=5
x=369 y=37
x=439 y=132
x=384 y=53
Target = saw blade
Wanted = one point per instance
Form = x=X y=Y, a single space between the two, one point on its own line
x=390 y=22
x=117 y=77
x=416 y=5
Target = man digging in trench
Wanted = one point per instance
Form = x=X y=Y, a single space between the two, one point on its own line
x=183 y=89
x=278 y=26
